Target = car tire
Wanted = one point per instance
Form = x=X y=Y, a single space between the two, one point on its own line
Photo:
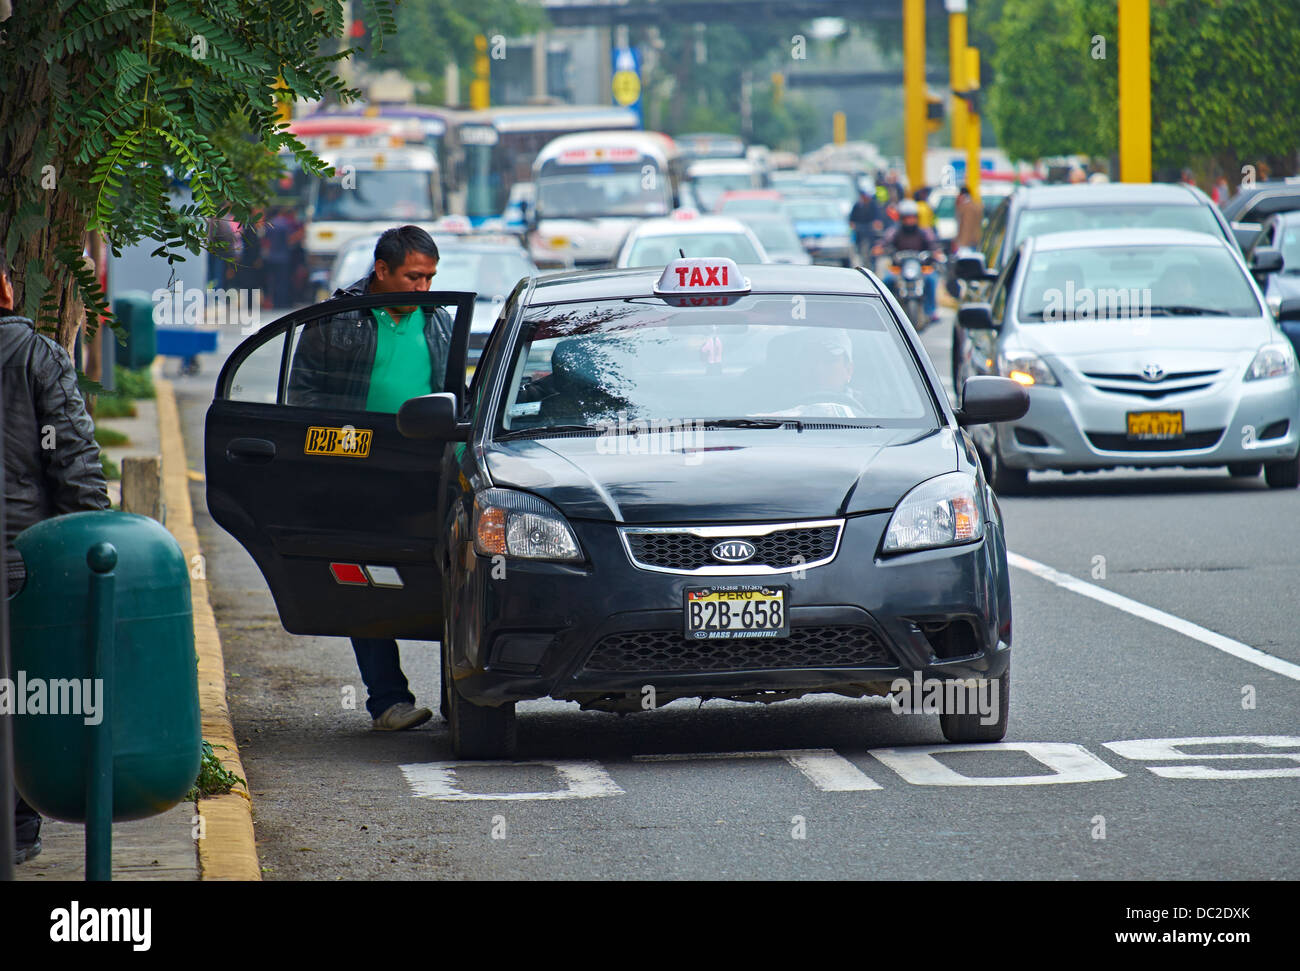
x=968 y=728
x=442 y=694
x=1283 y=475
x=477 y=732
x=1003 y=479
x=1244 y=470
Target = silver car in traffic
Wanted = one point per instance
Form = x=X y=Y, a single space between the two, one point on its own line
x=1138 y=348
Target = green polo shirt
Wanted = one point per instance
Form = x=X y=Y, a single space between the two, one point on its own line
x=402 y=369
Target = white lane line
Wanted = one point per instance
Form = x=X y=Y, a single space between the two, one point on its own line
x=579 y=780
x=1227 y=645
x=823 y=767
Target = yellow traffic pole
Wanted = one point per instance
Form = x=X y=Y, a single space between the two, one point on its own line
x=479 y=88
x=914 y=92
x=957 y=68
x=839 y=128
x=972 y=75
x=1135 y=90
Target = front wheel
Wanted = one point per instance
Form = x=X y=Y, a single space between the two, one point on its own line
x=1282 y=475
x=1005 y=480
x=980 y=713
x=477 y=732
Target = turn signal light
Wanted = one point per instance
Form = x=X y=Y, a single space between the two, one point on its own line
x=492 y=530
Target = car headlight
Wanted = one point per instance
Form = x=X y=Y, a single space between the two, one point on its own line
x=517 y=524
x=942 y=511
x=1025 y=367
x=1272 y=361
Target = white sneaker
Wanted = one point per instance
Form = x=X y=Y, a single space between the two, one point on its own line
x=401 y=716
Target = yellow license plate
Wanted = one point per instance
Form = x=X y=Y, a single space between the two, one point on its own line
x=1155 y=425
x=346 y=441
x=736 y=611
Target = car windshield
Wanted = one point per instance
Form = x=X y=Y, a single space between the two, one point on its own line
x=832 y=188
x=1036 y=222
x=813 y=210
x=709 y=188
x=945 y=207
x=595 y=191
x=377 y=195
x=491 y=274
x=660 y=250
x=750 y=363
x=776 y=235
x=1109 y=282
x=745 y=205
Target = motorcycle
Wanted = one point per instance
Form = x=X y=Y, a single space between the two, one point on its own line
x=910 y=268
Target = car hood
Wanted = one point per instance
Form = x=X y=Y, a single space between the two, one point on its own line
x=1089 y=344
x=727 y=475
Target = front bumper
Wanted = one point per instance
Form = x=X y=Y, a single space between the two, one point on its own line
x=1076 y=426
x=608 y=629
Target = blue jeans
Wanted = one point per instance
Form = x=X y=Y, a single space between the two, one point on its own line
x=927 y=294
x=381 y=670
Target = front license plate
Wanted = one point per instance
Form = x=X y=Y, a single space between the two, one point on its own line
x=734 y=610
x=1154 y=425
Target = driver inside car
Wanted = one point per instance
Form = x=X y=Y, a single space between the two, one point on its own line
x=816 y=367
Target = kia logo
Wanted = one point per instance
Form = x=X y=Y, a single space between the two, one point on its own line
x=733 y=551
x=1153 y=372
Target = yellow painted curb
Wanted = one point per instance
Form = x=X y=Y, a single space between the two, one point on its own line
x=228 y=849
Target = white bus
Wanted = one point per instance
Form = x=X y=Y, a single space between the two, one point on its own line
x=592 y=188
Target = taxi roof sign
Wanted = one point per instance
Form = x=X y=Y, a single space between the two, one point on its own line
x=701 y=276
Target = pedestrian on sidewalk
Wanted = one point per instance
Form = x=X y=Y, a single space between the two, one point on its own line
x=51 y=460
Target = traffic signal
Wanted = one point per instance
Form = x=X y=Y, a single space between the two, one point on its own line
x=933 y=112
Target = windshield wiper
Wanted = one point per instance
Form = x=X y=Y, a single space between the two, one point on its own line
x=749 y=422
x=1186 y=310
x=547 y=430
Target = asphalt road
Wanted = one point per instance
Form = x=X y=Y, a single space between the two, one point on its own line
x=1181 y=606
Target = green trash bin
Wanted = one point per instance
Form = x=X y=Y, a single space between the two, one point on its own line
x=147 y=724
x=134 y=311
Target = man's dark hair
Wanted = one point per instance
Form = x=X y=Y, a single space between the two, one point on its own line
x=394 y=245
x=965 y=190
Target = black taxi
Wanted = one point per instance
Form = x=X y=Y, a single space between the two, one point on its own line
x=699 y=480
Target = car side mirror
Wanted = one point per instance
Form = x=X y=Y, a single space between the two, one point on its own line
x=1245 y=234
x=432 y=416
x=1266 y=260
x=1289 y=309
x=976 y=316
x=986 y=398
x=972 y=267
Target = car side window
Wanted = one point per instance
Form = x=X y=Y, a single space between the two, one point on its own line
x=491 y=350
x=368 y=359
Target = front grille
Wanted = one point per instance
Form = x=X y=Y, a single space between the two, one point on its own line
x=806 y=647
x=1151 y=393
x=780 y=549
x=1111 y=442
x=1141 y=379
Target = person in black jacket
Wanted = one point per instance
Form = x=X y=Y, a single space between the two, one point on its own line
x=373 y=360
x=51 y=459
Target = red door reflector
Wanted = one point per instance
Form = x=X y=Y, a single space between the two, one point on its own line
x=349 y=573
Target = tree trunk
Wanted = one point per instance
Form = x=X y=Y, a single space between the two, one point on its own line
x=25 y=107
